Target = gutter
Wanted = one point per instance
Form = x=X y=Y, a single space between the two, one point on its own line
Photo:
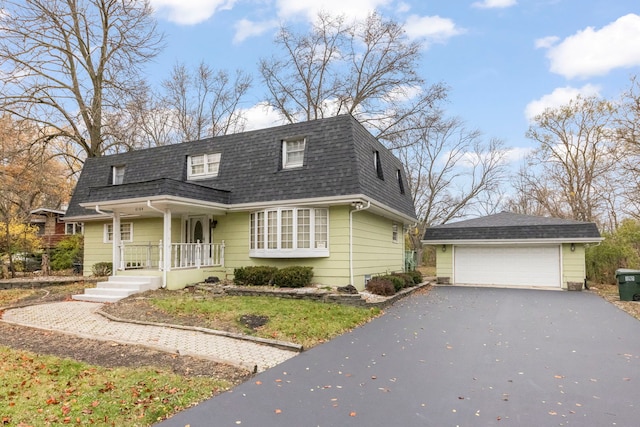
x=359 y=206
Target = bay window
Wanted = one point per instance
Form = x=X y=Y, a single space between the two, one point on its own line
x=289 y=233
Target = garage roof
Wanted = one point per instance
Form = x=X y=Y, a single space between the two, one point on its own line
x=508 y=226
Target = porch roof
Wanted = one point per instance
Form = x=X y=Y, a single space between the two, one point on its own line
x=154 y=188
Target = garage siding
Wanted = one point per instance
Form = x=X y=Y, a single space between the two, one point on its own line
x=538 y=265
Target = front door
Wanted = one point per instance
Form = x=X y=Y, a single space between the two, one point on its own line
x=198 y=230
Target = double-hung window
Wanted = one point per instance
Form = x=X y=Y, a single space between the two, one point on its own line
x=118 y=175
x=293 y=153
x=126 y=232
x=290 y=233
x=73 y=228
x=203 y=166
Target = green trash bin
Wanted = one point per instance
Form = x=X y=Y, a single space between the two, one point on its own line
x=628 y=284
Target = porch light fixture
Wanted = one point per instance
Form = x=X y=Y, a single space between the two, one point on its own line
x=444 y=248
x=212 y=223
x=573 y=247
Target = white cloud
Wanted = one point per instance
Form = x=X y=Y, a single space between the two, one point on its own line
x=593 y=52
x=431 y=28
x=262 y=116
x=245 y=29
x=494 y=4
x=559 y=97
x=546 y=42
x=516 y=154
x=189 y=12
x=310 y=9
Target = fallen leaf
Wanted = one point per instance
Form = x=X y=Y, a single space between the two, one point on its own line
x=258 y=382
x=558 y=376
x=352 y=414
x=278 y=411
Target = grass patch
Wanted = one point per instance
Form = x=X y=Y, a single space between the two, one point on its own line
x=46 y=390
x=300 y=321
x=17 y=295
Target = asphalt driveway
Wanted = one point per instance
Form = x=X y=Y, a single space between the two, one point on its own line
x=458 y=356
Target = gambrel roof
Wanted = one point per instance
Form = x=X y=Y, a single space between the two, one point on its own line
x=338 y=165
x=510 y=226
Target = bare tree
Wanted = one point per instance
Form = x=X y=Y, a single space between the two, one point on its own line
x=367 y=69
x=450 y=169
x=67 y=63
x=571 y=172
x=205 y=102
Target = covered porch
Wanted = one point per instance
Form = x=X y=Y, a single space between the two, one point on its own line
x=185 y=240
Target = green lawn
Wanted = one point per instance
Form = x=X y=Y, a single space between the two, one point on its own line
x=299 y=321
x=43 y=390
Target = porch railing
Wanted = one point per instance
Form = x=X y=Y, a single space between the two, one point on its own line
x=183 y=255
x=139 y=256
x=196 y=255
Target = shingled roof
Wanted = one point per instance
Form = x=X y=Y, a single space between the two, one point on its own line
x=337 y=163
x=510 y=226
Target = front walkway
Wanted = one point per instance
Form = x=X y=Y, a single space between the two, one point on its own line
x=80 y=319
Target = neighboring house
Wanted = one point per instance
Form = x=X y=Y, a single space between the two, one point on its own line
x=508 y=249
x=51 y=227
x=323 y=193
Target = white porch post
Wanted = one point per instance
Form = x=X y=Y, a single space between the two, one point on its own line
x=116 y=243
x=166 y=247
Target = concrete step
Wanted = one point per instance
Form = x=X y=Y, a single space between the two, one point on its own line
x=139 y=286
x=119 y=287
x=96 y=298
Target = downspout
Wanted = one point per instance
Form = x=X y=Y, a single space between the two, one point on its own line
x=359 y=206
x=166 y=259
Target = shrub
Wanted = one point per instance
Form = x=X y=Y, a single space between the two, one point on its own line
x=254 y=276
x=380 y=286
x=408 y=280
x=293 y=277
x=416 y=276
x=67 y=252
x=102 y=268
x=398 y=282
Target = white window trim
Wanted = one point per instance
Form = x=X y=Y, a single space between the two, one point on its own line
x=286 y=163
x=118 y=175
x=207 y=173
x=105 y=237
x=77 y=228
x=395 y=234
x=312 y=252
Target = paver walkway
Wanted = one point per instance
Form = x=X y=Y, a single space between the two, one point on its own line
x=80 y=319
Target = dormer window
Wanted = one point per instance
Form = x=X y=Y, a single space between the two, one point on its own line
x=203 y=166
x=118 y=175
x=377 y=163
x=293 y=153
x=400 y=182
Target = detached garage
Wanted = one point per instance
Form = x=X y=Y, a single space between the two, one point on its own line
x=508 y=249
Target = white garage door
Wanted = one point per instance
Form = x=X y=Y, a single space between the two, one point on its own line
x=507 y=265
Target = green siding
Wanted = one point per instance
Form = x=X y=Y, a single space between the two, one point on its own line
x=95 y=250
x=573 y=265
x=374 y=251
x=444 y=261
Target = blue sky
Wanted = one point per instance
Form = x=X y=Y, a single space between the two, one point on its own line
x=504 y=60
